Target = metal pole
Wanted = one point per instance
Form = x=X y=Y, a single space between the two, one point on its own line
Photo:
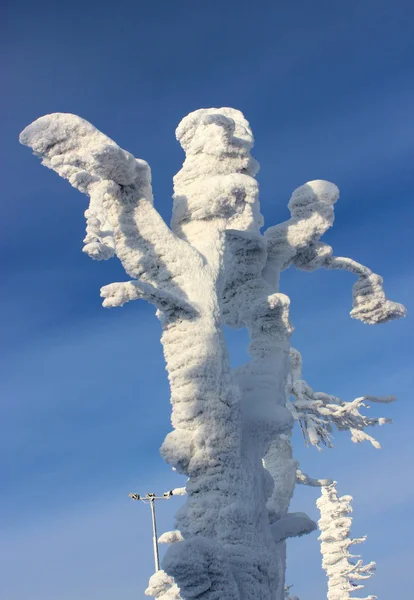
x=155 y=537
x=150 y=498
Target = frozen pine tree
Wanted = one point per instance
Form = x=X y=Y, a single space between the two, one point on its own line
x=214 y=267
x=345 y=571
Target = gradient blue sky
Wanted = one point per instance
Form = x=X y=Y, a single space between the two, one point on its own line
x=328 y=88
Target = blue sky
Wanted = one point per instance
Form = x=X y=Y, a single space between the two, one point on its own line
x=328 y=88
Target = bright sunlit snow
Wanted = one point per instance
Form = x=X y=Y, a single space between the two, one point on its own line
x=213 y=267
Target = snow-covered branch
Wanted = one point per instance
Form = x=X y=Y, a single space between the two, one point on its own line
x=292 y=525
x=170 y=537
x=317 y=412
x=370 y=304
x=117 y=294
x=293 y=241
x=297 y=242
x=181 y=491
x=163 y=587
x=121 y=217
x=343 y=569
x=216 y=204
x=304 y=479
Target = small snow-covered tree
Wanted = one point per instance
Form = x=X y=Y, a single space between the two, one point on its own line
x=345 y=571
x=213 y=267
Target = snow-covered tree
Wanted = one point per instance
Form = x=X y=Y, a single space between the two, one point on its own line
x=345 y=571
x=214 y=267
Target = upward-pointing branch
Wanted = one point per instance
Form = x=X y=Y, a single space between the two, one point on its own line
x=121 y=217
x=294 y=241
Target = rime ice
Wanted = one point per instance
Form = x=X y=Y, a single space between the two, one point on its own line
x=345 y=571
x=213 y=267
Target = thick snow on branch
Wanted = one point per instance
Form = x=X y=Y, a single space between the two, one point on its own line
x=163 y=587
x=297 y=242
x=317 y=412
x=170 y=537
x=369 y=301
x=117 y=294
x=345 y=571
x=121 y=217
x=216 y=201
x=215 y=189
x=312 y=213
x=304 y=479
x=182 y=491
x=292 y=525
x=89 y=160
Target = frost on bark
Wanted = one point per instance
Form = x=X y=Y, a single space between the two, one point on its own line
x=317 y=412
x=345 y=571
x=214 y=267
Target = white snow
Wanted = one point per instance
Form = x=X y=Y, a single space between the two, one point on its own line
x=182 y=491
x=213 y=267
x=304 y=479
x=292 y=525
x=345 y=571
x=163 y=587
x=170 y=537
x=317 y=412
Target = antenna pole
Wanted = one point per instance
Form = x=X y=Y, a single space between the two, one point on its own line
x=155 y=537
x=150 y=499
